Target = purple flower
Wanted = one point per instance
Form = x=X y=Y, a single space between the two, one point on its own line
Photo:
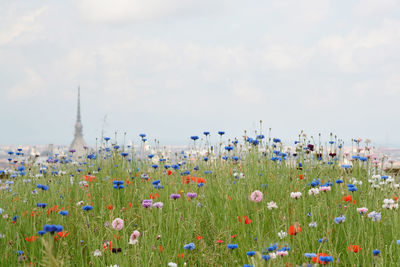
x=158 y=205
x=191 y=195
x=175 y=196
x=147 y=203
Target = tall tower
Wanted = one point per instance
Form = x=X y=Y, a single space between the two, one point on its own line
x=78 y=143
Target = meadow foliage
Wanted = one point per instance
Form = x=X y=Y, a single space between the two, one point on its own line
x=253 y=203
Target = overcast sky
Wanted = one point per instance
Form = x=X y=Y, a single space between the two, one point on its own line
x=175 y=68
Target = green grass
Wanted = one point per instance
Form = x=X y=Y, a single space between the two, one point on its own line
x=223 y=198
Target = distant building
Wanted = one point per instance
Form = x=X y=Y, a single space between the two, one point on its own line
x=78 y=144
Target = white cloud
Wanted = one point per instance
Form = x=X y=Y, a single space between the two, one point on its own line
x=388 y=33
x=138 y=10
x=372 y=7
x=305 y=12
x=30 y=86
x=356 y=51
x=247 y=93
x=13 y=28
x=285 y=57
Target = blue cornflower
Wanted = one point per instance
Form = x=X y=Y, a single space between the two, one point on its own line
x=326 y=258
x=351 y=187
x=232 y=246
x=20 y=252
x=87 y=207
x=228 y=148
x=398 y=242
x=156 y=182
x=51 y=228
x=338 y=181
x=189 y=246
x=247 y=265
x=63 y=213
x=221 y=133
x=41 y=232
x=250 y=253
x=41 y=205
x=194 y=137
x=375 y=216
x=376 y=252
x=43 y=187
x=310 y=255
x=266 y=257
x=340 y=219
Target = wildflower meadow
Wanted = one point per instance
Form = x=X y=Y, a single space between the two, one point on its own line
x=252 y=201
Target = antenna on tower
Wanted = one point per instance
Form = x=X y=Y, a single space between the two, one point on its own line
x=79 y=104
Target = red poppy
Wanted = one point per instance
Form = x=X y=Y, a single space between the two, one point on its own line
x=240 y=220
x=354 y=248
x=199 y=237
x=31 y=238
x=348 y=198
x=201 y=180
x=294 y=229
x=220 y=241
x=154 y=196
x=301 y=176
x=247 y=220
x=161 y=249
x=110 y=207
x=89 y=178
x=169 y=172
x=60 y=235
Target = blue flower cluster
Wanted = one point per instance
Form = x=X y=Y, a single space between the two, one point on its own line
x=51 y=228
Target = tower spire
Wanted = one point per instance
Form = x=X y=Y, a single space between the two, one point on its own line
x=78 y=116
x=78 y=143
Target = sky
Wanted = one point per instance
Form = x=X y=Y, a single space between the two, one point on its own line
x=175 y=68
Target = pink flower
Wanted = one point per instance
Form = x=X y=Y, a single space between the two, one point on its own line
x=134 y=237
x=256 y=196
x=118 y=224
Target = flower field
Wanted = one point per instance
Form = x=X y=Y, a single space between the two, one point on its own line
x=256 y=202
